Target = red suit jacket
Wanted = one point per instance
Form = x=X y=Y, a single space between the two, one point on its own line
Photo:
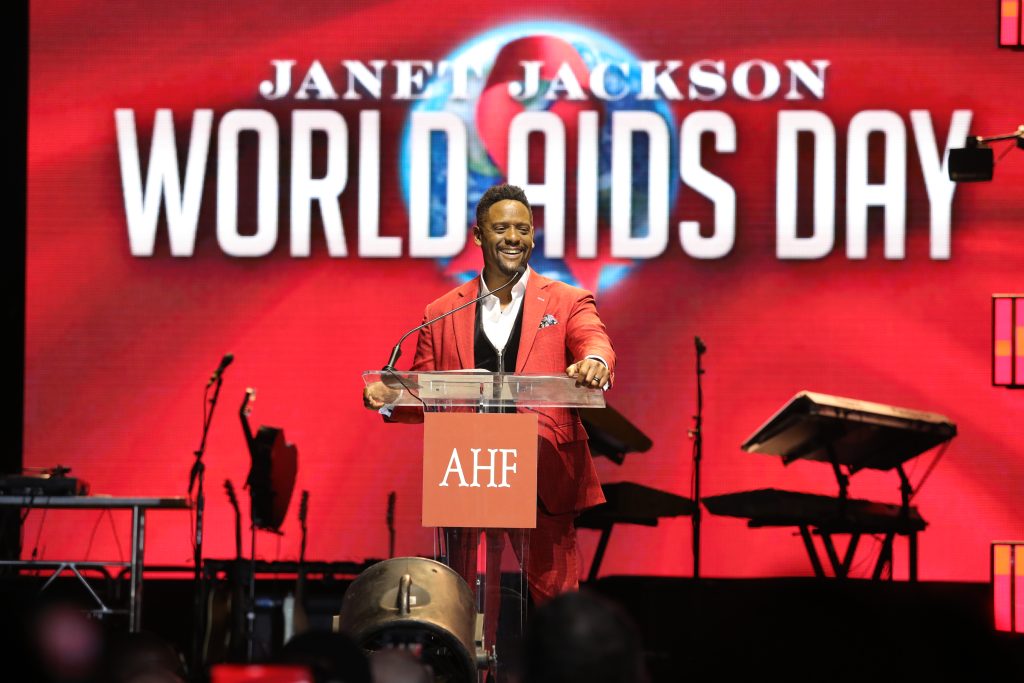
x=566 y=478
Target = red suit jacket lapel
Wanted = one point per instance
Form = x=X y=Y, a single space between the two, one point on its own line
x=464 y=322
x=535 y=304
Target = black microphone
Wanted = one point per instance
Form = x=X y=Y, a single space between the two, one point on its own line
x=397 y=351
x=227 y=360
x=699 y=345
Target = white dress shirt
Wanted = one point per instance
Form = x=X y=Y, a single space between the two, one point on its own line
x=498 y=322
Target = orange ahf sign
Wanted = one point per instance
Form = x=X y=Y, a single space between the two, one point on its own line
x=480 y=470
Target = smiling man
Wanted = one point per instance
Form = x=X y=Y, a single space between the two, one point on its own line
x=537 y=326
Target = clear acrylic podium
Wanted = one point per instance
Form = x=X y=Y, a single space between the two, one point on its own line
x=484 y=393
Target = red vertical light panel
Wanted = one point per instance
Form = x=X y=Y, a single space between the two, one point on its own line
x=1018 y=588
x=1002 y=340
x=1018 y=341
x=1002 y=578
x=1010 y=12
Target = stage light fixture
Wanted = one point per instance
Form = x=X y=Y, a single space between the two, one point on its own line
x=975 y=161
x=421 y=605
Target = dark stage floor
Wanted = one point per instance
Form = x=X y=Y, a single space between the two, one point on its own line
x=720 y=629
x=815 y=630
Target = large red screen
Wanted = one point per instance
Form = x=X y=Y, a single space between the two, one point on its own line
x=184 y=202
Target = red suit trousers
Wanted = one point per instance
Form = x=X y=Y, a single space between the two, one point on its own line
x=548 y=553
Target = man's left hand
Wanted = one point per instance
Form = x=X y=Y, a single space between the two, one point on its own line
x=377 y=395
x=589 y=372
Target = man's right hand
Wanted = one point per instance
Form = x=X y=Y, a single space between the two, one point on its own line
x=377 y=395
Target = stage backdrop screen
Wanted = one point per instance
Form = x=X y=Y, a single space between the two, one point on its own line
x=292 y=182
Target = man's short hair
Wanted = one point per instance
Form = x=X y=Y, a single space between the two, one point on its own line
x=499 y=193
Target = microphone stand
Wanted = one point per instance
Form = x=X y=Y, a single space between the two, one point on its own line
x=697 y=434
x=195 y=480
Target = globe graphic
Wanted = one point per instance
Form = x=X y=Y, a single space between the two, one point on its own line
x=594 y=48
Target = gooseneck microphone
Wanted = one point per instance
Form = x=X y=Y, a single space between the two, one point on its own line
x=397 y=351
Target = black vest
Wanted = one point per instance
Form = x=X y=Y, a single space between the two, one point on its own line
x=485 y=356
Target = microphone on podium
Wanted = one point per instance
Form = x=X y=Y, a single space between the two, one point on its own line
x=397 y=351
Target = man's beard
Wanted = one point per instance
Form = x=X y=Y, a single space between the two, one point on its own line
x=510 y=269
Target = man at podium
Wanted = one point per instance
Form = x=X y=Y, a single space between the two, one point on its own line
x=538 y=326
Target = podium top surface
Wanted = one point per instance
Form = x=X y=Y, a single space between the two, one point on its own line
x=858 y=434
x=479 y=388
x=94 y=502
